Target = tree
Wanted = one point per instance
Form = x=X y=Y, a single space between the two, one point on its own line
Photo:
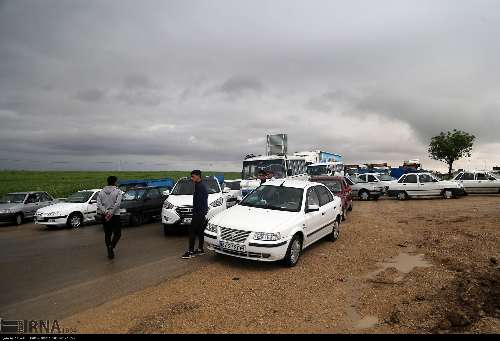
x=451 y=146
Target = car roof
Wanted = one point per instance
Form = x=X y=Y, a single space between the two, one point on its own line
x=326 y=177
x=26 y=192
x=291 y=183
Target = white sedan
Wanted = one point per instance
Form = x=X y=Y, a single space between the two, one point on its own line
x=478 y=182
x=276 y=222
x=77 y=209
x=424 y=184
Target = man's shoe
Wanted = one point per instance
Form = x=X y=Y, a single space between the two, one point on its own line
x=111 y=253
x=188 y=255
x=199 y=252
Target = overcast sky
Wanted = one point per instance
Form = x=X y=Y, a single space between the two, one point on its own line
x=173 y=85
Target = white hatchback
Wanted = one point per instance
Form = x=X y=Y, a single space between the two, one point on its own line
x=276 y=222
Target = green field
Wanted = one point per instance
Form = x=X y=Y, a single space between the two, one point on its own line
x=62 y=183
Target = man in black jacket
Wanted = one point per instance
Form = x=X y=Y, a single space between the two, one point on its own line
x=200 y=210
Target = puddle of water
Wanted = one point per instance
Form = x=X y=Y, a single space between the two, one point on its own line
x=367 y=322
x=403 y=262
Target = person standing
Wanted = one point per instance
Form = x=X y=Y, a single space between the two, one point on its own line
x=108 y=206
x=199 y=221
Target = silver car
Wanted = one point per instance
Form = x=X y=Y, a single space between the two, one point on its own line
x=365 y=190
x=20 y=206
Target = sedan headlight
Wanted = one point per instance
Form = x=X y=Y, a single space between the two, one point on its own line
x=168 y=205
x=267 y=236
x=217 y=202
x=211 y=228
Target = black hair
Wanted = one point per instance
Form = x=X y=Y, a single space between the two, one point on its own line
x=196 y=172
x=112 y=180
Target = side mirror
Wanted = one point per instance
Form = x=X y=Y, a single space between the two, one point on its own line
x=166 y=193
x=93 y=202
x=226 y=190
x=312 y=208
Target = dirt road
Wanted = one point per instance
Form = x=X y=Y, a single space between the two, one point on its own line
x=419 y=266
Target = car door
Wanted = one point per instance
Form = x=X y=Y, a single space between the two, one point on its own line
x=153 y=202
x=328 y=208
x=427 y=185
x=313 y=220
x=410 y=185
x=485 y=183
x=470 y=183
x=30 y=205
x=91 y=209
x=371 y=178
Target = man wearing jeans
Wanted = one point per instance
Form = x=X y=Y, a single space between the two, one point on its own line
x=200 y=210
x=108 y=206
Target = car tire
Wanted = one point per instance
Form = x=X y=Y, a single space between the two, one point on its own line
x=75 y=220
x=402 y=196
x=335 y=232
x=448 y=194
x=18 y=219
x=293 y=252
x=364 y=195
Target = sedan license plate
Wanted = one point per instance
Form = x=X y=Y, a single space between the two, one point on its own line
x=232 y=246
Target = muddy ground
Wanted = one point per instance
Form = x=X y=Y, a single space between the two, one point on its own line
x=418 y=266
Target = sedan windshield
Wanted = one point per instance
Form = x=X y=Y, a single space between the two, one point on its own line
x=186 y=187
x=385 y=177
x=13 y=199
x=275 y=198
x=252 y=168
x=134 y=194
x=79 y=197
x=333 y=185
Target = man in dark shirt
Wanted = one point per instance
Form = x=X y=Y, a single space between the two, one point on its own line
x=200 y=210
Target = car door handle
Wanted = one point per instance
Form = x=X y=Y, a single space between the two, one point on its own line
x=422 y=184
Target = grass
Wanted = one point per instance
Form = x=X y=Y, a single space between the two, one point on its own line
x=63 y=183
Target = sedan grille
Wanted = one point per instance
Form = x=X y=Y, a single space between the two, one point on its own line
x=185 y=211
x=237 y=236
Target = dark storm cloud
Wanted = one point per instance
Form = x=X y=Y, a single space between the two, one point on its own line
x=204 y=81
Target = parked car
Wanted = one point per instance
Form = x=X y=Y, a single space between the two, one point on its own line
x=177 y=209
x=20 y=206
x=77 y=209
x=141 y=204
x=365 y=190
x=339 y=187
x=424 y=184
x=377 y=178
x=276 y=222
x=478 y=182
x=232 y=191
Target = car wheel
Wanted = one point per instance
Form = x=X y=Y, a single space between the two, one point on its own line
x=335 y=232
x=364 y=195
x=293 y=253
x=18 y=220
x=448 y=194
x=402 y=196
x=75 y=220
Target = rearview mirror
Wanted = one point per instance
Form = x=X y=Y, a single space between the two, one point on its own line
x=312 y=208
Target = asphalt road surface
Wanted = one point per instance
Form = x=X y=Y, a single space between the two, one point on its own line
x=54 y=273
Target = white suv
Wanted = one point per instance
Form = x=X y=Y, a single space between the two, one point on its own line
x=178 y=207
x=276 y=222
x=424 y=184
x=478 y=182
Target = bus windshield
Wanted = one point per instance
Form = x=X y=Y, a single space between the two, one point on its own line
x=251 y=168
